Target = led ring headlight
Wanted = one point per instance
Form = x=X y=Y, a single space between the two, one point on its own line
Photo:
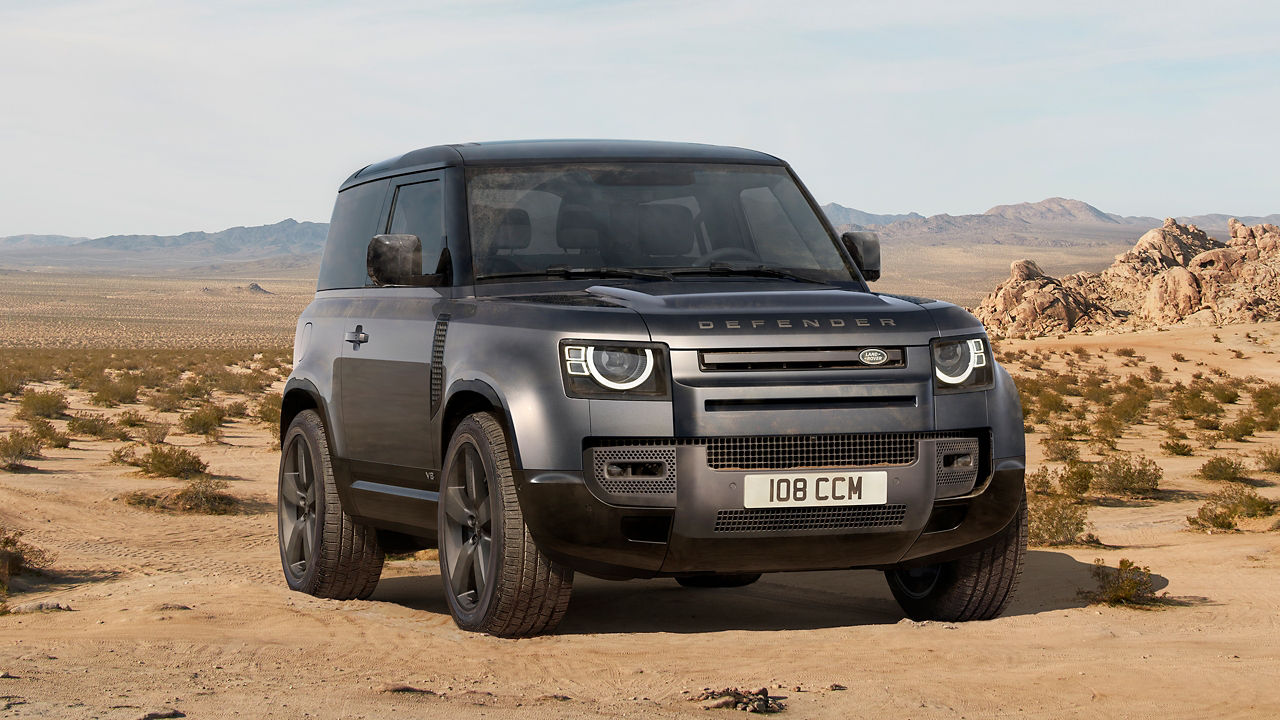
x=971 y=353
x=616 y=368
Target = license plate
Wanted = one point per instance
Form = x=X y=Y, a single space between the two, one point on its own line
x=841 y=487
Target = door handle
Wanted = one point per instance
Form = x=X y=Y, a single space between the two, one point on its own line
x=357 y=336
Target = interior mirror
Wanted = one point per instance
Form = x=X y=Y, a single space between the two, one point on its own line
x=395 y=260
x=864 y=246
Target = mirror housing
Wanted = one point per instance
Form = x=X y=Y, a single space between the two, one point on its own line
x=395 y=260
x=864 y=246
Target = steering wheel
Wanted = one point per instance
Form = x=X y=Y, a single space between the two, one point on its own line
x=727 y=253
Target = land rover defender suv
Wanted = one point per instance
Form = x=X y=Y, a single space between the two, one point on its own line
x=633 y=360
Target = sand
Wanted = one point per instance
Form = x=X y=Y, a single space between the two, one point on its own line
x=191 y=613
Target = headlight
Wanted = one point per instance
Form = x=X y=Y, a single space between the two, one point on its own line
x=961 y=364
x=618 y=371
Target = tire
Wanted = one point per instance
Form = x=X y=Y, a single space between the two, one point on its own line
x=974 y=587
x=323 y=551
x=495 y=578
x=718 y=581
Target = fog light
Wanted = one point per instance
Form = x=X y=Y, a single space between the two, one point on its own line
x=965 y=460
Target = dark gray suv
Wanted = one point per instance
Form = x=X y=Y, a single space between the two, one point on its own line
x=633 y=360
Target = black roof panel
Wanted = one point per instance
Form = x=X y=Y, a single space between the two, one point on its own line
x=517 y=152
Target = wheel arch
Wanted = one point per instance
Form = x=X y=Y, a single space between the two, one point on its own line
x=300 y=395
x=466 y=397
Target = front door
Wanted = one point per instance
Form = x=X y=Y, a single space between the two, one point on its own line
x=385 y=373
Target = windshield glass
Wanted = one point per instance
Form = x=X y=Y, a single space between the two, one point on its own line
x=618 y=217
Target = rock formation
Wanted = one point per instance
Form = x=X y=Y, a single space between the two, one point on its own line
x=1174 y=274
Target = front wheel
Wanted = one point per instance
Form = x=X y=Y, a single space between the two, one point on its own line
x=974 y=587
x=496 y=580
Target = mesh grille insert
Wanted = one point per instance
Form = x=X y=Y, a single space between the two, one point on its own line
x=958 y=479
x=781 y=452
x=636 y=485
x=810 y=518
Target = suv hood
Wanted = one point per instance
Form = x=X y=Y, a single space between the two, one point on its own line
x=691 y=316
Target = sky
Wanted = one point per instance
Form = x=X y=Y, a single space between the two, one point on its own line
x=160 y=117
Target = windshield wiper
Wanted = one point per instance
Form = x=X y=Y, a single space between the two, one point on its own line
x=564 y=271
x=755 y=271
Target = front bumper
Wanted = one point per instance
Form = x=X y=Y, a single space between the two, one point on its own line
x=689 y=518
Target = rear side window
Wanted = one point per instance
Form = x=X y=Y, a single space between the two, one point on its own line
x=354 y=223
x=418 y=210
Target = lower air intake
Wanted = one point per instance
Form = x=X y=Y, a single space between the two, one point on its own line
x=809 y=518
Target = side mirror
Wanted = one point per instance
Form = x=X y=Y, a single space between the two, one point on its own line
x=864 y=246
x=395 y=260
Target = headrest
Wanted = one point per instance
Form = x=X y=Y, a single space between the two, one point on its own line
x=514 y=231
x=577 y=228
x=666 y=229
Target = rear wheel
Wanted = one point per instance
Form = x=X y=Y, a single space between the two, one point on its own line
x=324 y=552
x=718 y=581
x=974 y=587
x=496 y=580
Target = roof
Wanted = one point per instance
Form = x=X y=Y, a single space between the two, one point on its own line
x=520 y=152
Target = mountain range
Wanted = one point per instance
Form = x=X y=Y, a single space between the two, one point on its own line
x=292 y=245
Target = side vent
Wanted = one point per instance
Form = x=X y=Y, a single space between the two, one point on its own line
x=437 y=362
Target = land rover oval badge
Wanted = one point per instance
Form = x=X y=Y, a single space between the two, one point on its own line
x=873 y=356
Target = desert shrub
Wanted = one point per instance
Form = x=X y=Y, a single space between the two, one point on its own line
x=154 y=433
x=1269 y=460
x=96 y=425
x=110 y=393
x=1270 y=422
x=201 y=495
x=1128 y=476
x=1222 y=469
x=10 y=382
x=1125 y=352
x=237 y=409
x=1060 y=450
x=1076 y=479
x=1173 y=431
x=1040 y=481
x=1224 y=394
x=1050 y=402
x=1227 y=505
x=124 y=455
x=1178 y=357
x=241 y=383
x=1131 y=406
x=1155 y=374
x=17 y=556
x=1266 y=398
x=1191 y=404
x=48 y=434
x=1207 y=423
x=205 y=420
x=1208 y=440
x=42 y=403
x=166 y=401
x=268 y=409
x=1241 y=428
x=131 y=418
x=1053 y=519
x=1175 y=447
x=18 y=446
x=169 y=461
x=1081 y=352
x=1127 y=584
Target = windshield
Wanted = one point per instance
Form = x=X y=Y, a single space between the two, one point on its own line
x=647 y=220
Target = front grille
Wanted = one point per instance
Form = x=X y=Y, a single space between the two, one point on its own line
x=783 y=452
x=809 y=518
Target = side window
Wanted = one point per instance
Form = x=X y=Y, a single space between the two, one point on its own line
x=418 y=209
x=354 y=223
x=775 y=237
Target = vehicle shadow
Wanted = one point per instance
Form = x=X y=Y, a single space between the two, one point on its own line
x=781 y=601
